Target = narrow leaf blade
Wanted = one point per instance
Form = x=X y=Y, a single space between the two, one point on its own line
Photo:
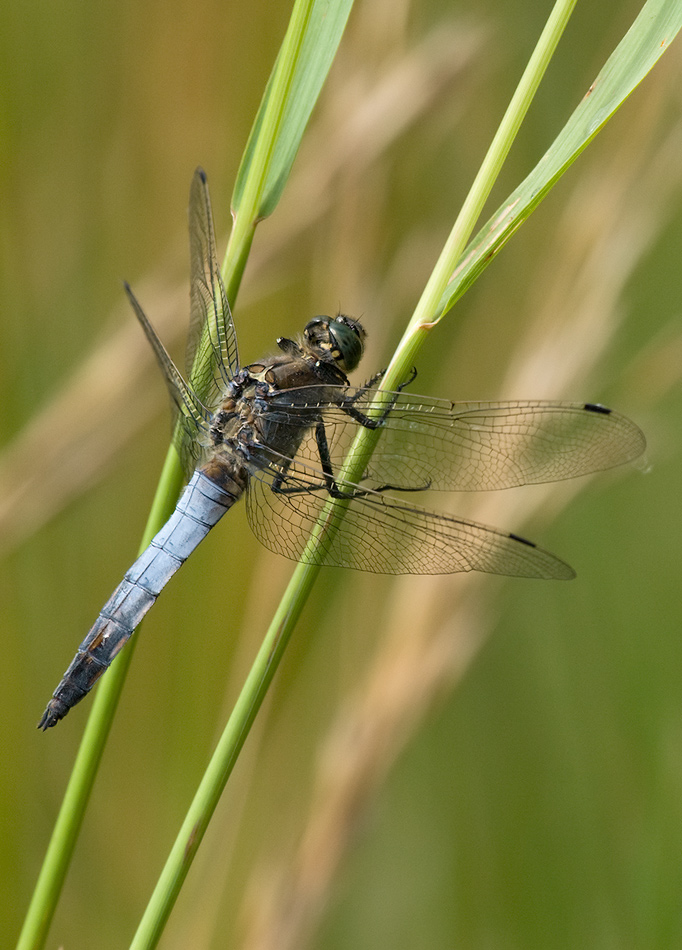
x=322 y=37
x=650 y=35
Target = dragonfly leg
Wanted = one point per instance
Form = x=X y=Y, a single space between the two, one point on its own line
x=369 y=423
x=326 y=462
x=330 y=484
x=409 y=380
x=373 y=380
x=280 y=487
x=370 y=384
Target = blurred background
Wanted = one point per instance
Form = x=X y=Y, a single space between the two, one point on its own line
x=442 y=762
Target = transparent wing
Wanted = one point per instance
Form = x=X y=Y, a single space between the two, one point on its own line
x=471 y=446
x=212 y=354
x=190 y=418
x=383 y=535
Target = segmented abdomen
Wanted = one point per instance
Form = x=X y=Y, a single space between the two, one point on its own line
x=200 y=507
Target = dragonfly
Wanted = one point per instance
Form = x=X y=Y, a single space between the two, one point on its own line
x=278 y=430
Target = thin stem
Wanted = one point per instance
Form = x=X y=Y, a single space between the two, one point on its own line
x=214 y=779
x=62 y=843
x=426 y=314
x=296 y=594
x=77 y=794
x=249 y=212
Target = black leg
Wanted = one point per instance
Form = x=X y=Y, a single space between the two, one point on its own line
x=349 y=405
x=280 y=487
x=330 y=484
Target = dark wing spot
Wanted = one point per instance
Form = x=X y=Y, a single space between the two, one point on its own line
x=517 y=537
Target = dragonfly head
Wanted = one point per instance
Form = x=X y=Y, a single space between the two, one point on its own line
x=338 y=338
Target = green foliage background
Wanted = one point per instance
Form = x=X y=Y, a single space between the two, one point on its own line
x=536 y=795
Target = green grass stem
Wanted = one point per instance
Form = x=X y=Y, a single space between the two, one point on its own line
x=278 y=131
x=296 y=594
x=314 y=32
x=428 y=312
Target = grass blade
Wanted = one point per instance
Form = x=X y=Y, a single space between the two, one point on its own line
x=295 y=596
x=300 y=70
x=310 y=45
x=645 y=42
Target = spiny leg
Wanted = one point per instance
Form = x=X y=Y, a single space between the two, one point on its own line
x=348 y=405
x=330 y=484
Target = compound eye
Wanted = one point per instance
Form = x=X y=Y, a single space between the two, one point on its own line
x=349 y=342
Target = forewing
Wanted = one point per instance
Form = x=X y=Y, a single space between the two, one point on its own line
x=382 y=535
x=190 y=418
x=212 y=354
x=478 y=446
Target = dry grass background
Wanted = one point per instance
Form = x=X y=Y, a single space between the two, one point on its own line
x=456 y=761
